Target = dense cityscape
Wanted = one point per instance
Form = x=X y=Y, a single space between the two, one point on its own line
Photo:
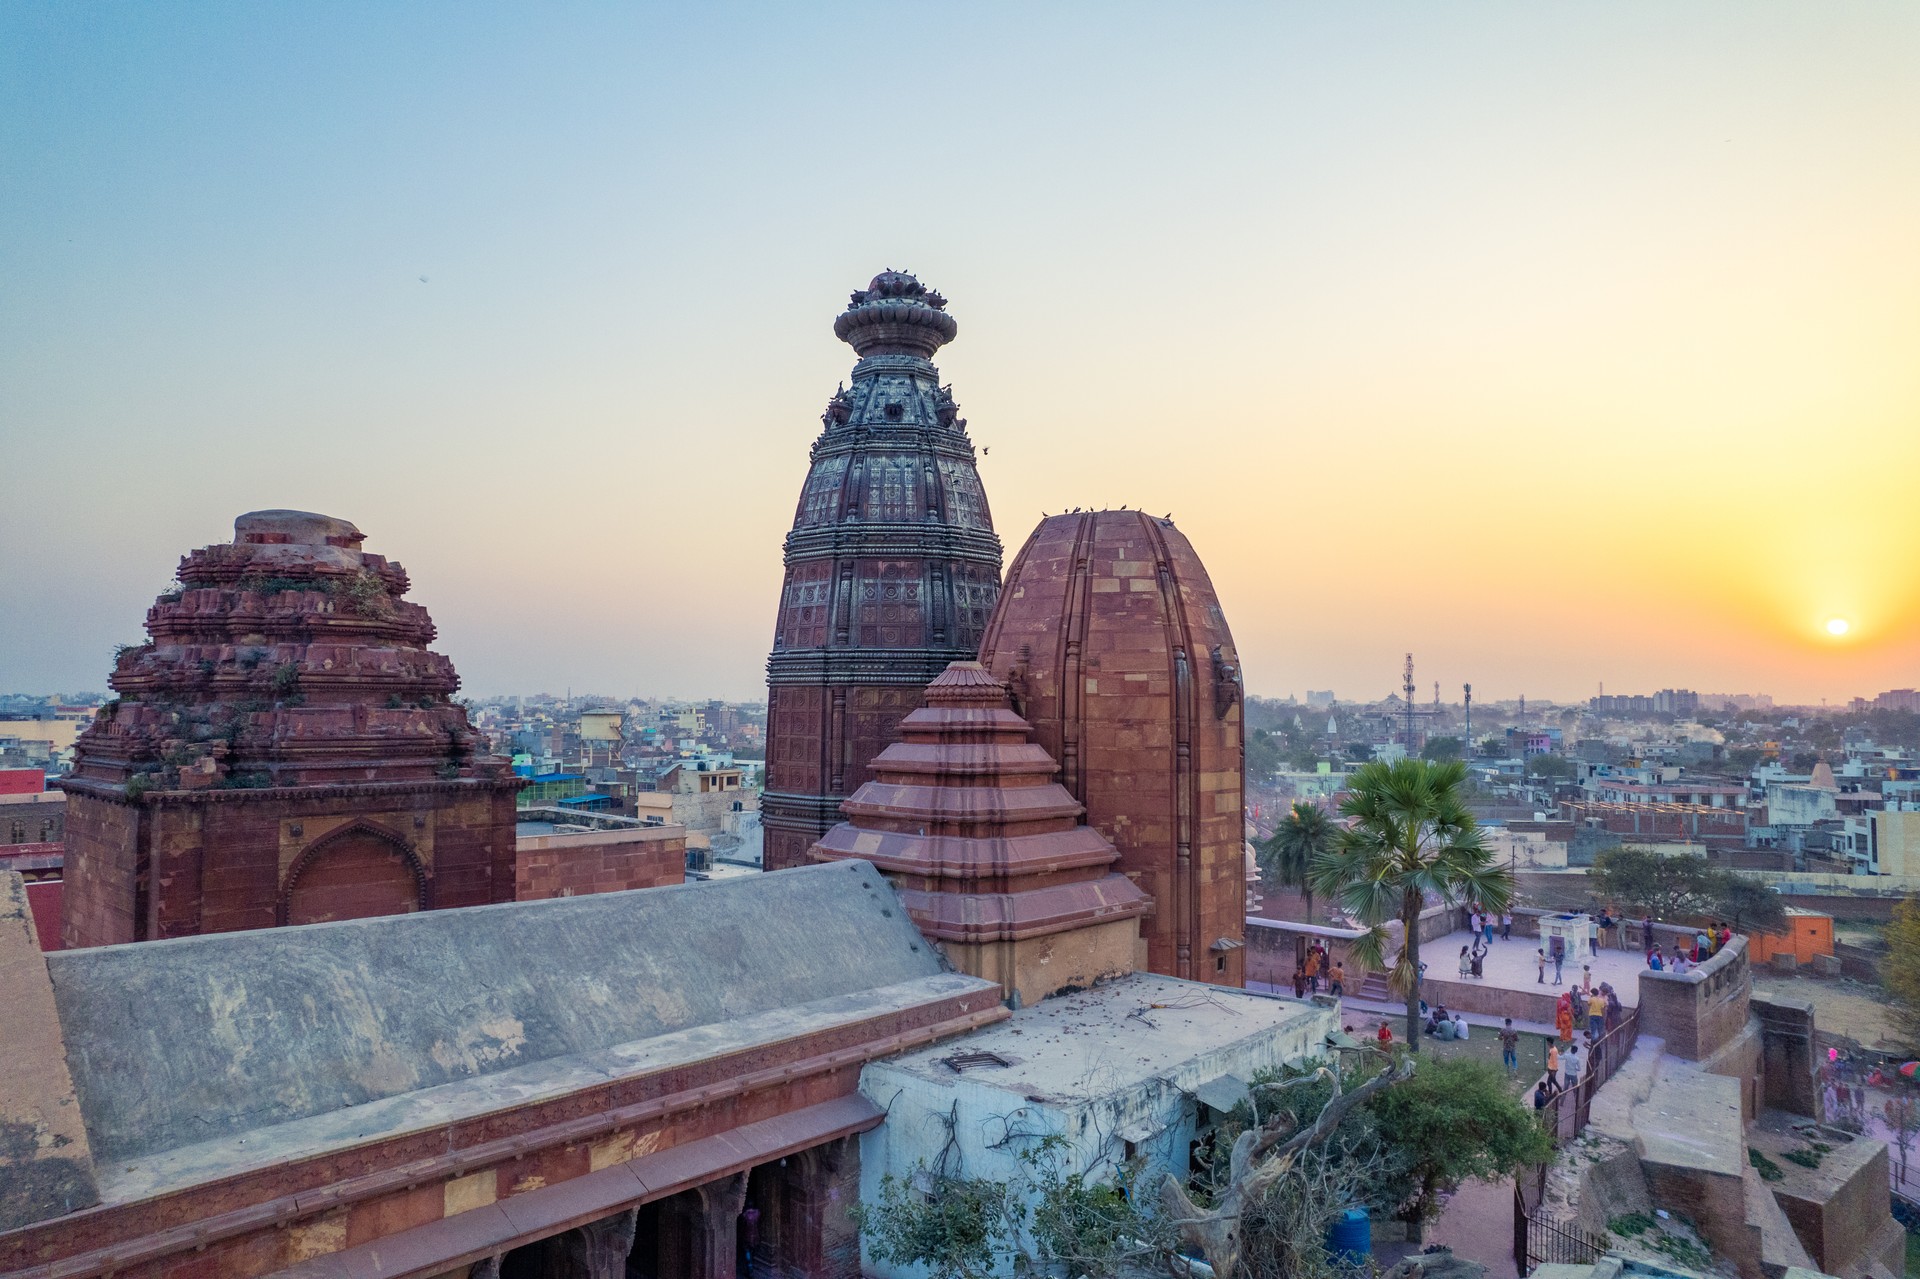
x=1037 y=887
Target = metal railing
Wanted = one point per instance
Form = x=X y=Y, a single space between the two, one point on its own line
x=1567 y=1114
x=1537 y=1237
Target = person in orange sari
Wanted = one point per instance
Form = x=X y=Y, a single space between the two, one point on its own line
x=1563 y=1022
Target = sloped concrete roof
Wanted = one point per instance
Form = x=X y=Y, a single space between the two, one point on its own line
x=177 y=1043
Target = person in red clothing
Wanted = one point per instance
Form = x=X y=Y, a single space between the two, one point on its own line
x=1386 y=1035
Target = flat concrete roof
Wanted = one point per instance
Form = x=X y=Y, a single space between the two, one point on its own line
x=1119 y=1034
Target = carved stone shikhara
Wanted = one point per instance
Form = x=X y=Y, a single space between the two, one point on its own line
x=284 y=749
x=968 y=819
x=892 y=567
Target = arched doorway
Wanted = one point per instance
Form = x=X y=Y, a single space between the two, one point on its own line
x=354 y=874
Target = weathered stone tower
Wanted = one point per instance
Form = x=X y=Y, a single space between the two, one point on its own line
x=892 y=566
x=1114 y=646
x=283 y=750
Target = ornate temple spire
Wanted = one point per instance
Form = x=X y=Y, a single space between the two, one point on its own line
x=892 y=567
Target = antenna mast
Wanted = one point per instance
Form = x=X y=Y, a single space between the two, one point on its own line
x=1407 y=687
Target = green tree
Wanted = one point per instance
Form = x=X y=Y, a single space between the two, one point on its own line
x=1549 y=766
x=1900 y=970
x=1441 y=749
x=1746 y=904
x=1287 y=859
x=1265 y=754
x=1455 y=1120
x=1667 y=887
x=960 y=1226
x=1412 y=835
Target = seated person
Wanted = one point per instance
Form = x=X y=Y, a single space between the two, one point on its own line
x=1459 y=1026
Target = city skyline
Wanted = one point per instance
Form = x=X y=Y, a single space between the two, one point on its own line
x=1561 y=351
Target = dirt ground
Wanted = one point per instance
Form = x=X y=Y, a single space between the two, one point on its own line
x=1859 y=932
x=1844 y=1007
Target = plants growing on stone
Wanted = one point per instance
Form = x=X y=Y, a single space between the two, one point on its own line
x=1394 y=1135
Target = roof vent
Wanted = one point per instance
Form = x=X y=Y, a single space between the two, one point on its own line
x=972 y=1061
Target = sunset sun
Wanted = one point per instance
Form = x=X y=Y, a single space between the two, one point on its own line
x=1838 y=626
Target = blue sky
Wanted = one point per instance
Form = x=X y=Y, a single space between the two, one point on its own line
x=1558 y=344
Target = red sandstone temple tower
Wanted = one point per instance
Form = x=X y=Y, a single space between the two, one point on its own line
x=284 y=750
x=892 y=566
x=1114 y=646
x=967 y=817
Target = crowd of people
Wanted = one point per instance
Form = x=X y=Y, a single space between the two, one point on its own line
x=1319 y=966
x=1704 y=945
x=1583 y=1013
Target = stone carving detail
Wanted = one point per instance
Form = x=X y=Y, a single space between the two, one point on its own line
x=286 y=683
x=892 y=566
x=1226 y=683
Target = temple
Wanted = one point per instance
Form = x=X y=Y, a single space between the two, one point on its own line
x=1114 y=645
x=987 y=849
x=892 y=566
x=985 y=846
x=284 y=750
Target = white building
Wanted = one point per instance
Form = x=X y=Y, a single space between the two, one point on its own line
x=1144 y=1065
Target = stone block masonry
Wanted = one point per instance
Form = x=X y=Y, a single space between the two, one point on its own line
x=892 y=566
x=285 y=749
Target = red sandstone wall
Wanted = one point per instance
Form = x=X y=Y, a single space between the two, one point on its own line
x=823 y=742
x=222 y=861
x=101 y=872
x=574 y=870
x=1105 y=631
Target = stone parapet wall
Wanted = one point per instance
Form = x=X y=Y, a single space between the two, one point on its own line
x=1702 y=1010
x=601 y=861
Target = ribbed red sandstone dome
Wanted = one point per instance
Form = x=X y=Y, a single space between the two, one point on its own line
x=1116 y=650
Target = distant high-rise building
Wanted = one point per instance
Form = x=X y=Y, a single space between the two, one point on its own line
x=892 y=566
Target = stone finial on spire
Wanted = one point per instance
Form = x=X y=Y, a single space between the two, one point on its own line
x=896 y=315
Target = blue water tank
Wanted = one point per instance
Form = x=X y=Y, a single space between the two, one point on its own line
x=1350 y=1237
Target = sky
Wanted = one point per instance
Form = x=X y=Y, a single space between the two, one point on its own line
x=1559 y=345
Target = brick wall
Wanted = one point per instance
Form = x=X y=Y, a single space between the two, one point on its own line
x=101 y=872
x=1703 y=1010
x=600 y=862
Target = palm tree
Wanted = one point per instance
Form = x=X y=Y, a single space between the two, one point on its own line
x=1302 y=835
x=1412 y=835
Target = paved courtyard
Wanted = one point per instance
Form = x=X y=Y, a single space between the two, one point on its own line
x=1511 y=964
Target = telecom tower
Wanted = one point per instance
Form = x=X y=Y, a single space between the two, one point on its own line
x=1469 y=728
x=1407 y=687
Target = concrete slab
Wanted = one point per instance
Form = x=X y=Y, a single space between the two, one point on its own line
x=1118 y=1035
x=1691 y=1120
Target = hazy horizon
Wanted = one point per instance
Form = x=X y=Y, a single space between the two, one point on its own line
x=1558 y=346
